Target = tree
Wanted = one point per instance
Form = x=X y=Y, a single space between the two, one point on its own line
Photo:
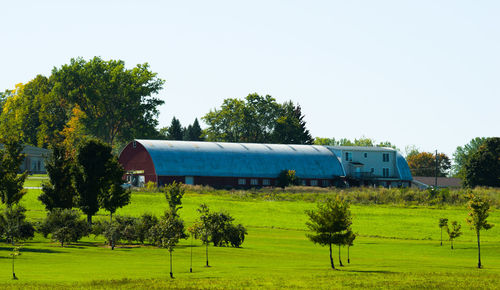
x=202 y=228
x=14 y=226
x=287 y=178
x=117 y=101
x=175 y=131
x=194 y=132
x=15 y=252
x=443 y=223
x=478 y=213
x=424 y=164
x=167 y=234
x=11 y=184
x=482 y=168
x=331 y=219
x=91 y=178
x=64 y=225
x=144 y=225
x=115 y=196
x=174 y=193
x=350 y=237
x=290 y=126
x=461 y=155
x=59 y=192
x=454 y=232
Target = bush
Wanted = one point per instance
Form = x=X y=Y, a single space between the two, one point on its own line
x=287 y=178
x=122 y=228
x=14 y=226
x=235 y=235
x=143 y=226
x=64 y=226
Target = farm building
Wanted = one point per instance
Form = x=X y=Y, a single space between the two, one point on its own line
x=222 y=164
x=34 y=162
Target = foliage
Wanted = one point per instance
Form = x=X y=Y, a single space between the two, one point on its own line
x=424 y=164
x=115 y=196
x=482 y=168
x=143 y=226
x=175 y=131
x=14 y=226
x=478 y=213
x=363 y=141
x=174 y=193
x=117 y=102
x=194 y=132
x=443 y=223
x=329 y=224
x=454 y=232
x=59 y=192
x=461 y=155
x=16 y=251
x=122 y=228
x=287 y=178
x=257 y=119
x=151 y=186
x=96 y=170
x=11 y=184
x=64 y=225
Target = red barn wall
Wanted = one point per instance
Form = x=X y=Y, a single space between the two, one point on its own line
x=138 y=158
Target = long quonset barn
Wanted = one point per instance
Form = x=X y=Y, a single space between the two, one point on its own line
x=222 y=164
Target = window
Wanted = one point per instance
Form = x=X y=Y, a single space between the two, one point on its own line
x=189 y=180
x=303 y=182
x=385 y=172
x=242 y=181
x=266 y=182
x=325 y=183
x=385 y=157
x=372 y=170
x=366 y=155
x=348 y=156
x=134 y=144
x=314 y=182
x=254 y=181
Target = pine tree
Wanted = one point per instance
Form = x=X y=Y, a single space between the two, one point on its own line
x=175 y=131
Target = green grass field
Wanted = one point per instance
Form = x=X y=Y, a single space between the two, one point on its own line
x=398 y=247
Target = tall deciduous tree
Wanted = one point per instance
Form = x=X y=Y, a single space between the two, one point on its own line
x=424 y=164
x=173 y=194
x=328 y=223
x=478 y=213
x=483 y=166
x=462 y=153
x=11 y=184
x=118 y=102
x=59 y=192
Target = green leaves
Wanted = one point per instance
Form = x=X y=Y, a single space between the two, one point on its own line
x=11 y=184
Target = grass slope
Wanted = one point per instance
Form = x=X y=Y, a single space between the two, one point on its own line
x=398 y=247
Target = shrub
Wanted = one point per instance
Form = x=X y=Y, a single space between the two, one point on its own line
x=287 y=178
x=235 y=235
x=14 y=226
x=143 y=226
x=64 y=225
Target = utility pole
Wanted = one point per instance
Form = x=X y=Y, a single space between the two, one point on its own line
x=436 y=179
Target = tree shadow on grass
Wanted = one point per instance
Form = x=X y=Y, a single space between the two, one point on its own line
x=33 y=250
x=369 y=271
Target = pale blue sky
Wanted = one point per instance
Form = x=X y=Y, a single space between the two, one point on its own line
x=424 y=73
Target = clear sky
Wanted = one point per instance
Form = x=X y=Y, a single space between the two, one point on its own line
x=424 y=73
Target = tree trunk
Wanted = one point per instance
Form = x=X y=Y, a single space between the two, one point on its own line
x=478 y=252
x=191 y=265
x=13 y=273
x=171 y=273
x=348 y=259
x=110 y=217
x=206 y=254
x=441 y=236
x=331 y=258
x=340 y=261
x=451 y=242
x=89 y=219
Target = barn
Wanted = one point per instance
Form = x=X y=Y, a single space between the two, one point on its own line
x=222 y=164
x=244 y=165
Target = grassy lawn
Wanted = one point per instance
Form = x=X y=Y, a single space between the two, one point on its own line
x=398 y=247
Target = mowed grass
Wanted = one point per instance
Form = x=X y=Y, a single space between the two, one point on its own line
x=398 y=247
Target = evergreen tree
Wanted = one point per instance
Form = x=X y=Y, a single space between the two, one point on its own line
x=11 y=184
x=59 y=192
x=194 y=132
x=290 y=127
x=175 y=131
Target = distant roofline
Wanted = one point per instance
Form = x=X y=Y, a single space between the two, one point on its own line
x=362 y=148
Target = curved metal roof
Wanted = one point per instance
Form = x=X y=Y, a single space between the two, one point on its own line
x=403 y=168
x=189 y=158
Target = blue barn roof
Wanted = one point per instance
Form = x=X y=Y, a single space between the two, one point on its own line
x=189 y=158
x=403 y=168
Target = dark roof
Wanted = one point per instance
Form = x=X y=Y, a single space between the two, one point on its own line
x=441 y=182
